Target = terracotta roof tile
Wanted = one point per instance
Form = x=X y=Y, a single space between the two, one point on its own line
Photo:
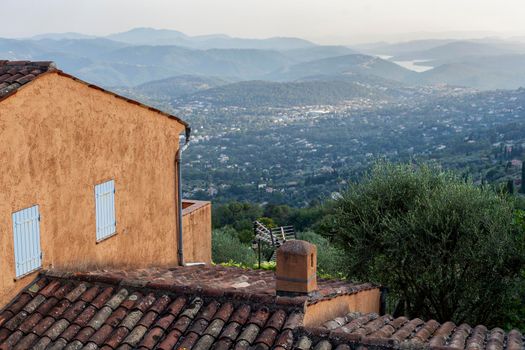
x=84 y=334
x=4 y=334
x=267 y=336
x=241 y=314
x=148 y=319
x=215 y=328
x=189 y=341
x=170 y=340
x=5 y=316
x=27 y=341
x=43 y=326
x=131 y=300
x=117 y=316
x=151 y=338
x=117 y=337
x=260 y=317
x=182 y=324
x=204 y=343
x=101 y=298
x=46 y=306
x=199 y=326
x=223 y=344
x=231 y=331
x=50 y=288
x=83 y=319
x=74 y=310
x=101 y=335
x=224 y=312
x=176 y=307
x=90 y=294
x=59 y=308
x=165 y=321
x=16 y=321
x=285 y=339
x=70 y=332
x=131 y=319
x=42 y=344
x=74 y=294
x=19 y=303
x=30 y=322
x=160 y=304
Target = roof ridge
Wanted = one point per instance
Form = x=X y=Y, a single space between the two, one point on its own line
x=15 y=74
x=273 y=301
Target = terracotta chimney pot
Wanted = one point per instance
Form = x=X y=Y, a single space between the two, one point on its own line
x=296 y=268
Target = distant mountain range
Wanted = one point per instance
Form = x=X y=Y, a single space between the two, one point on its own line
x=485 y=72
x=457 y=50
x=143 y=55
x=150 y=36
x=346 y=65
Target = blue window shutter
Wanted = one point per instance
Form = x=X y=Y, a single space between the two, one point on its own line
x=105 y=209
x=26 y=231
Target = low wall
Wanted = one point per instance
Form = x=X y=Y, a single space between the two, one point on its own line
x=364 y=301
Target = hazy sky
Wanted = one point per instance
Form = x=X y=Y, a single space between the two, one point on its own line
x=342 y=21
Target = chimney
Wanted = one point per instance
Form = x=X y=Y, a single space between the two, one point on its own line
x=296 y=268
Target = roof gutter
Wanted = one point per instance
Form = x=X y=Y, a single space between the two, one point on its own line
x=180 y=248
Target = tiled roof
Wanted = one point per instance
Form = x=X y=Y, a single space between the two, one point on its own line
x=387 y=332
x=247 y=282
x=14 y=74
x=155 y=309
x=73 y=313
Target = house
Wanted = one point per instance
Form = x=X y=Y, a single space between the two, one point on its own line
x=89 y=179
x=99 y=251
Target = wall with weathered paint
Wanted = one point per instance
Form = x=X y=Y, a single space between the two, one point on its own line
x=59 y=138
x=196 y=231
x=364 y=301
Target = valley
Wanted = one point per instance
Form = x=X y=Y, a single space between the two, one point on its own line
x=285 y=120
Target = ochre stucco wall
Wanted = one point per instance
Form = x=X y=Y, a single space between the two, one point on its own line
x=196 y=232
x=364 y=301
x=59 y=138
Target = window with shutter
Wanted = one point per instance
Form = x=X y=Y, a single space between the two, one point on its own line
x=105 y=210
x=26 y=231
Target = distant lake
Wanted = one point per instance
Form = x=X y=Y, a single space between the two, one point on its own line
x=414 y=65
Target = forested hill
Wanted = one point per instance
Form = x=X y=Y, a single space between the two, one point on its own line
x=250 y=94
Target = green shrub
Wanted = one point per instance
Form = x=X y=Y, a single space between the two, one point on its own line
x=446 y=249
x=227 y=247
x=330 y=259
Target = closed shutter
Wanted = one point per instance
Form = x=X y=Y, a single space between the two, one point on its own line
x=105 y=210
x=26 y=230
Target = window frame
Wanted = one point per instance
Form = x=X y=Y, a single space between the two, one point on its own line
x=105 y=210
x=22 y=247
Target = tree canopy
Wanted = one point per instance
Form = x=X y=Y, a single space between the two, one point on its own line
x=447 y=249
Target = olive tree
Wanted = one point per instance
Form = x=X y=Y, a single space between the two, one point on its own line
x=445 y=248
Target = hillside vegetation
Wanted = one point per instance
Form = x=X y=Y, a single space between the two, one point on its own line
x=446 y=248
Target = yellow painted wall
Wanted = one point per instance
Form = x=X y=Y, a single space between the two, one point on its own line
x=196 y=231
x=58 y=139
x=364 y=301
